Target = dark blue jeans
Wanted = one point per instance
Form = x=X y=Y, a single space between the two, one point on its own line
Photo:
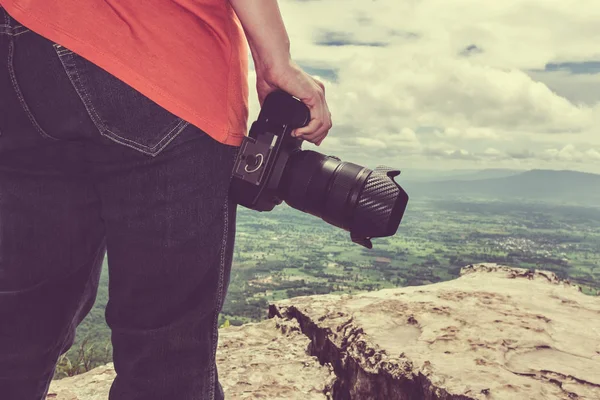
x=89 y=165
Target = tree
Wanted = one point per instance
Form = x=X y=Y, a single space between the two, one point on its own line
x=86 y=360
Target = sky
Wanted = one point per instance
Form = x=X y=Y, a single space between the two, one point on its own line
x=461 y=84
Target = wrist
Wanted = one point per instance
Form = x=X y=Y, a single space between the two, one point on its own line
x=271 y=61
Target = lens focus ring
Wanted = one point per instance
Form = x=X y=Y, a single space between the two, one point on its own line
x=343 y=183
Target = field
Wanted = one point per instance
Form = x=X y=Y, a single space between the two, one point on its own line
x=285 y=253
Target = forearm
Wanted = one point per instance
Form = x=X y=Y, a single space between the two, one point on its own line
x=265 y=31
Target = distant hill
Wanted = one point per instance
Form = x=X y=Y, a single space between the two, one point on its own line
x=457 y=174
x=539 y=185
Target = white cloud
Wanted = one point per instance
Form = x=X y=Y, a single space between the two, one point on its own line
x=593 y=154
x=571 y=153
x=490 y=151
x=418 y=99
x=370 y=143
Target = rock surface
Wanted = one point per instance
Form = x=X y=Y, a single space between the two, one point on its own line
x=494 y=333
x=265 y=360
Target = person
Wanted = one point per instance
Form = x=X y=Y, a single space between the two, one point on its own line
x=120 y=122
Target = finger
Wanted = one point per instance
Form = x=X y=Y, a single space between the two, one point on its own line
x=318 y=143
x=321 y=84
x=318 y=136
x=319 y=140
x=322 y=130
x=311 y=137
x=325 y=131
x=313 y=126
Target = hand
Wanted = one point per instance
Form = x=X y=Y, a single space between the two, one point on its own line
x=291 y=79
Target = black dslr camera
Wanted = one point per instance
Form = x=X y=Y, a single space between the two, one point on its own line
x=271 y=167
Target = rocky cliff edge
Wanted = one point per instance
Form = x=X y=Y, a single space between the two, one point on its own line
x=494 y=333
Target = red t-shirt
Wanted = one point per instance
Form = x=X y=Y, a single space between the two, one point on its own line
x=189 y=56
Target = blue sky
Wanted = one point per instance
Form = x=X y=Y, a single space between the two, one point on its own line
x=576 y=68
x=456 y=84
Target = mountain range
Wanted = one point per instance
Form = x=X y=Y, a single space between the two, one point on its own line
x=571 y=187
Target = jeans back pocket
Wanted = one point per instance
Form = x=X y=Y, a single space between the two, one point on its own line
x=119 y=111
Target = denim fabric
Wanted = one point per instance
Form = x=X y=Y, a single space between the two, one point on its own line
x=88 y=167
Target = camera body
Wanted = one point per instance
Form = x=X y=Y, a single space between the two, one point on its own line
x=264 y=153
x=271 y=167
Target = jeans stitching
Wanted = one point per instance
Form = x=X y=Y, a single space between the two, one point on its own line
x=13 y=78
x=185 y=125
x=219 y=301
x=7 y=29
x=86 y=99
x=6 y=24
x=101 y=126
x=177 y=129
x=63 y=51
x=19 y=30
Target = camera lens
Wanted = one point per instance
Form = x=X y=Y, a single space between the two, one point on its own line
x=365 y=202
x=323 y=186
